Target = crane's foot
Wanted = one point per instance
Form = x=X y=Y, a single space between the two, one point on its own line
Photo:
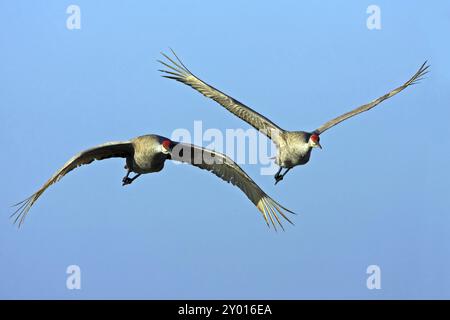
x=126 y=180
x=278 y=178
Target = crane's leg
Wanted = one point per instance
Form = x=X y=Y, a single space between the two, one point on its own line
x=278 y=172
x=279 y=177
x=127 y=180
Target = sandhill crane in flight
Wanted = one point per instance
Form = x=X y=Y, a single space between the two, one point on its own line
x=293 y=147
x=147 y=154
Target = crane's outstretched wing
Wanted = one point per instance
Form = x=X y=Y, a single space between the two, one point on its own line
x=103 y=151
x=415 y=79
x=179 y=72
x=229 y=171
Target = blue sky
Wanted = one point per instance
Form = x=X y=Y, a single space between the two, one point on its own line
x=377 y=194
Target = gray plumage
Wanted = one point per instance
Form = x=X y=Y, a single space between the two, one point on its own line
x=180 y=73
x=293 y=147
x=148 y=153
x=366 y=107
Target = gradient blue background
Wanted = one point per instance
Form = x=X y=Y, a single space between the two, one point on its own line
x=378 y=193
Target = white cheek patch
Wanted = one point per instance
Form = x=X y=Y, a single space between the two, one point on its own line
x=163 y=150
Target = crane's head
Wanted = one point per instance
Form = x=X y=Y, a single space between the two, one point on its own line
x=166 y=145
x=314 y=141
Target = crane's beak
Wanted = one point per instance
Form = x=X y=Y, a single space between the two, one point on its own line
x=318 y=144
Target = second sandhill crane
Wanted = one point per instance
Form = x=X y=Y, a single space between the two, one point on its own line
x=293 y=147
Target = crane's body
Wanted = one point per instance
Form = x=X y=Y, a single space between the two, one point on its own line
x=293 y=149
x=147 y=156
